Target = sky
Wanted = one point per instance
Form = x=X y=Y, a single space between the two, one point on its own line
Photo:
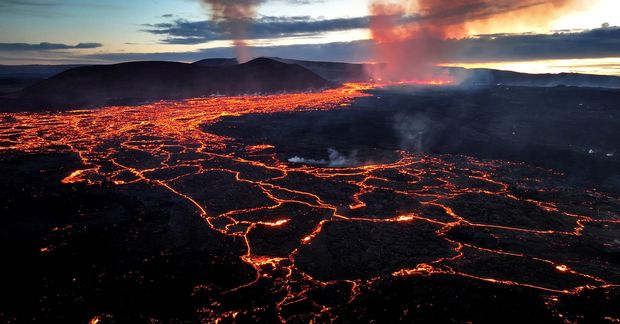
x=583 y=38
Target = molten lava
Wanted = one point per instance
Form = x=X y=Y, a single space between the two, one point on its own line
x=164 y=145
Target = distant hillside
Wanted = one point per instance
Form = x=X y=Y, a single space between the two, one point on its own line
x=347 y=72
x=495 y=77
x=333 y=71
x=136 y=82
x=217 y=62
x=32 y=71
x=17 y=77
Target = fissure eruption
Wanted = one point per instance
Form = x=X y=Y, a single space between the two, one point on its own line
x=412 y=36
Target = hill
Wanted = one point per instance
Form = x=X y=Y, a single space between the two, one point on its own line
x=495 y=77
x=32 y=88
x=333 y=71
x=217 y=62
x=136 y=82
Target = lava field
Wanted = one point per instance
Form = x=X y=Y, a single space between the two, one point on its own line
x=345 y=205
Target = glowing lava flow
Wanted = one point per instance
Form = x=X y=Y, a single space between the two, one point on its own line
x=164 y=145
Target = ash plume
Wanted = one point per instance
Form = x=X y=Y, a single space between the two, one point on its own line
x=234 y=15
x=410 y=35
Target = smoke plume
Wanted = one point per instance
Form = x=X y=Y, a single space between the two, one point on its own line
x=234 y=15
x=410 y=35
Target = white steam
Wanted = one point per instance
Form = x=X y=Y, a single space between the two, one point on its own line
x=411 y=130
x=335 y=159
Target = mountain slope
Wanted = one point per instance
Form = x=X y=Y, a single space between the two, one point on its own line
x=217 y=62
x=494 y=77
x=33 y=71
x=134 y=82
x=333 y=71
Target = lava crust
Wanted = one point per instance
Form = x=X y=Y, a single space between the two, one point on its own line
x=350 y=204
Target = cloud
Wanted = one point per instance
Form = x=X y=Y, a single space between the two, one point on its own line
x=303 y=2
x=596 y=43
x=18 y=5
x=45 y=46
x=340 y=51
x=182 y=31
x=47 y=3
x=27 y=3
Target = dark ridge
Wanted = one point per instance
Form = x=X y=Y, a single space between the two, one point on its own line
x=14 y=78
x=498 y=77
x=266 y=75
x=333 y=71
x=30 y=87
x=347 y=72
x=33 y=71
x=138 y=82
x=217 y=62
x=14 y=84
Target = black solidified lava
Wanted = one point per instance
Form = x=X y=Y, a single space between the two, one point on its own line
x=450 y=205
x=350 y=250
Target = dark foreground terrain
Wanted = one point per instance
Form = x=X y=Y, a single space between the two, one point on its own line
x=450 y=205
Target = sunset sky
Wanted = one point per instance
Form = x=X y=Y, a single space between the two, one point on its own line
x=583 y=38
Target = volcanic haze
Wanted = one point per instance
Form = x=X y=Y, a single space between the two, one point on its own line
x=412 y=36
